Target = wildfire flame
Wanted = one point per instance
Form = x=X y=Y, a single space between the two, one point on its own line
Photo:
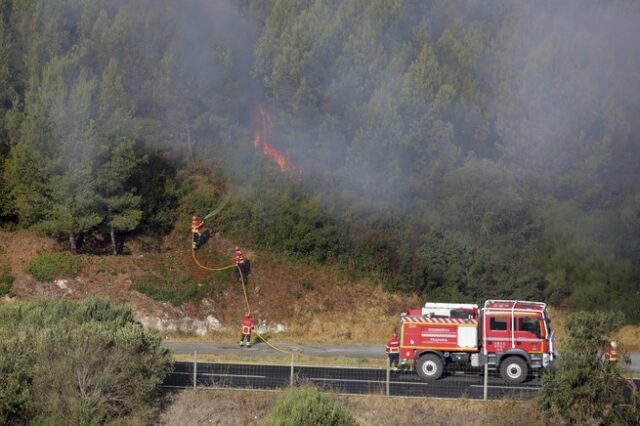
x=262 y=126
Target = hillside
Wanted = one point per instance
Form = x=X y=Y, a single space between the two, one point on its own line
x=292 y=300
x=317 y=303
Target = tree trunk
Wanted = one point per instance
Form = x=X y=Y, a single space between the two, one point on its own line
x=79 y=241
x=189 y=143
x=120 y=243
x=72 y=243
x=112 y=232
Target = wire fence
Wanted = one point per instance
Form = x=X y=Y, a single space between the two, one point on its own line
x=284 y=371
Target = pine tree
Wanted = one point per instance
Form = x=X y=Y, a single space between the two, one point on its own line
x=119 y=160
x=51 y=168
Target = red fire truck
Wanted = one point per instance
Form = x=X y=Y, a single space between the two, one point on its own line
x=513 y=336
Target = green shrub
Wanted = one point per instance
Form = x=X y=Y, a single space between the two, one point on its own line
x=6 y=280
x=47 y=266
x=308 y=406
x=177 y=290
x=585 y=388
x=77 y=363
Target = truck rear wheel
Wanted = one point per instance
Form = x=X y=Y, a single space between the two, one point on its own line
x=514 y=370
x=429 y=367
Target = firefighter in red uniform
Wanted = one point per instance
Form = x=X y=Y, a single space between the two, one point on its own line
x=196 y=229
x=393 y=350
x=238 y=256
x=243 y=267
x=247 y=326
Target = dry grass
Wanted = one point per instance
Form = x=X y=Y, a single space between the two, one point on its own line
x=319 y=328
x=285 y=359
x=381 y=410
x=629 y=335
x=241 y=407
x=217 y=407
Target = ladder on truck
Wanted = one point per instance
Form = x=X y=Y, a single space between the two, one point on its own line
x=450 y=310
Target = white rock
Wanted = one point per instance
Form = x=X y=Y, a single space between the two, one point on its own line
x=262 y=327
x=186 y=325
x=213 y=323
x=62 y=284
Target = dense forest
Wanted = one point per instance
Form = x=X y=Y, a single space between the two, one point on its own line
x=461 y=149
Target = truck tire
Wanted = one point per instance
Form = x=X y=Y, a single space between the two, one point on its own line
x=514 y=370
x=429 y=367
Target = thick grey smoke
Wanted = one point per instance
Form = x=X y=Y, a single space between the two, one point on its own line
x=546 y=89
x=204 y=25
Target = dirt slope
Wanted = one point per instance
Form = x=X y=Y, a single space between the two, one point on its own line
x=315 y=304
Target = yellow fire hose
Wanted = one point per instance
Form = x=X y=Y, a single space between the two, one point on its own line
x=244 y=291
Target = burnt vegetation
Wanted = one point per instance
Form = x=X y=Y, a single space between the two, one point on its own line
x=455 y=148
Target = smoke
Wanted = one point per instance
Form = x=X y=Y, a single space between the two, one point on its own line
x=395 y=104
x=546 y=89
x=203 y=26
x=571 y=88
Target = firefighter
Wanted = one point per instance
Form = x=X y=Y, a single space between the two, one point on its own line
x=612 y=352
x=238 y=256
x=393 y=350
x=243 y=267
x=247 y=326
x=196 y=229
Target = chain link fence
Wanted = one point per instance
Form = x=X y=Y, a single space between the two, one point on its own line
x=285 y=371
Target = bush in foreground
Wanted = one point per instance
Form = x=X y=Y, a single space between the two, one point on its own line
x=308 y=406
x=76 y=363
x=586 y=388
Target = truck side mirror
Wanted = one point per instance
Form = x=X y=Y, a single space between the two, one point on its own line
x=540 y=332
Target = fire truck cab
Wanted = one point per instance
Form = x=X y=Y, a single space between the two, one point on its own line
x=512 y=336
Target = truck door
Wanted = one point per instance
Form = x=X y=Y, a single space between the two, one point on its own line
x=528 y=335
x=498 y=332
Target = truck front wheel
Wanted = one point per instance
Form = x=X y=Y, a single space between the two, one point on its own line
x=429 y=367
x=514 y=370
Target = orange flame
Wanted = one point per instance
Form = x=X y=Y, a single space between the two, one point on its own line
x=262 y=126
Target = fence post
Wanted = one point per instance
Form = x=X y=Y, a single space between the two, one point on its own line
x=195 y=369
x=486 y=379
x=388 y=376
x=291 y=376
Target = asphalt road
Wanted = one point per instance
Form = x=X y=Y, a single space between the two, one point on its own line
x=261 y=349
x=346 y=380
x=454 y=384
x=635 y=363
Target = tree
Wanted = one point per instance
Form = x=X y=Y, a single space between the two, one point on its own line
x=116 y=166
x=69 y=97
x=585 y=388
x=123 y=208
